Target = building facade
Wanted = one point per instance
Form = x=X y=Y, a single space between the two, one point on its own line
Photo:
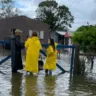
x=26 y=25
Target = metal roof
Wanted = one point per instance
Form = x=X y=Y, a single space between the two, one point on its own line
x=61 y=32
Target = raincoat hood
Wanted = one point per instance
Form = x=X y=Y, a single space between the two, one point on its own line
x=35 y=38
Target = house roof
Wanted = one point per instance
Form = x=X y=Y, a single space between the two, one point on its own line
x=65 y=34
x=61 y=32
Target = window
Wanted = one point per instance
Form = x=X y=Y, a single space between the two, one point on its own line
x=30 y=33
x=41 y=35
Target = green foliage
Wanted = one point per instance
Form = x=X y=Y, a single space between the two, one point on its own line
x=58 y=17
x=7 y=9
x=82 y=28
x=85 y=36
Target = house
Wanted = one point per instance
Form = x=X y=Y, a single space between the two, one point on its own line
x=25 y=24
x=64 y=38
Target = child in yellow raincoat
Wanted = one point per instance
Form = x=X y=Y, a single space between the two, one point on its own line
x=33 y=47
x=50 y=63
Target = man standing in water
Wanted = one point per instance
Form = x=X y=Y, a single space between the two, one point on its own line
x=16 y=47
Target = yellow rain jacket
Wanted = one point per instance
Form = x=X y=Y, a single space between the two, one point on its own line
x=50 y=63
x=33 y=47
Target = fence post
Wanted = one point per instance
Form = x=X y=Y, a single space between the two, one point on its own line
x=13 y=64
x=72 y=60
x=76 y=59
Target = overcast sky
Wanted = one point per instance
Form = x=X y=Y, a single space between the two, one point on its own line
x=83 y=10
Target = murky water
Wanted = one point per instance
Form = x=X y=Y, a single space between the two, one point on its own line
x=20 y=84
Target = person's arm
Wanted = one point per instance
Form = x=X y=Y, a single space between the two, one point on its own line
x=18 y=43
x=26 y=44
x=39 y=45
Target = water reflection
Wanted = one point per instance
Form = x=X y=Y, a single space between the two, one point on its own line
x=50 y=84
x=31 y=86
x=16 y=84
x=60 y=85
x=82 y=86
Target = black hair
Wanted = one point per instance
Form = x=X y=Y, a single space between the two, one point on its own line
x=52 y=43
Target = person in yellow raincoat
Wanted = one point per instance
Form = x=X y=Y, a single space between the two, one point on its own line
x=33 y=47
x=50 y=63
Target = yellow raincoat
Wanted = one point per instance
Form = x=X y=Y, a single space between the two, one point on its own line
x=33 y=47
x=50 y=63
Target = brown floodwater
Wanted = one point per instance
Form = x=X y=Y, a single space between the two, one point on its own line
x=22 y=84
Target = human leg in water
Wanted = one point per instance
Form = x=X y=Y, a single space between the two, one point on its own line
x=50 y=72
x=46 y=72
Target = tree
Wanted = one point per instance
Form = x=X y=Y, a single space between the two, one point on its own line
x=8 y=9
x=82 y=28
x=57 y=17
x=85 y=36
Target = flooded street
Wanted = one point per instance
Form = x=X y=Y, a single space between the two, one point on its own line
x=20 y=84
x=43 y=31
